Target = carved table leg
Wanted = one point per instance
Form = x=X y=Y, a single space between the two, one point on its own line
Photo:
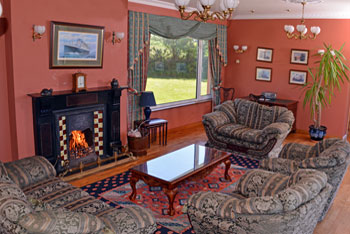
x=227 y=167
x=171 y=194
x=133 y=181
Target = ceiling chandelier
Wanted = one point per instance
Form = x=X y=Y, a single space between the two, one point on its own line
x=301 y=28
x=203 y=13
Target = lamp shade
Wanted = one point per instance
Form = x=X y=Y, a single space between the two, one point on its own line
x=147 y=99
x=182 y=2
x=0 y=9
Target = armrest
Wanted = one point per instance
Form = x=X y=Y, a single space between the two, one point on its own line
x=28 y=171
x=226 y=207
x=296 y=151
x=216 y=118
x=276 y=128
x=280 y=165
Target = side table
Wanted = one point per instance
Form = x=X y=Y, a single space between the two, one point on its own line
x=154 y=125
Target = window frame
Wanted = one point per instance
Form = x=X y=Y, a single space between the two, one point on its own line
x=199 y=98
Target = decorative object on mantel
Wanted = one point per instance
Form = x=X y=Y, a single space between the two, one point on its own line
x=147 y=100
x=79 y=82
x=301 y=28
x=76 y=45
x=38 y=31
x=238 y=50
x=328 y=76
x=203 y=13
x=46 y=92
x=114 y=83
x=119 y=35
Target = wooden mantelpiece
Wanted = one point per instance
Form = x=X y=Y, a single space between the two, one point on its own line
x=45 y=122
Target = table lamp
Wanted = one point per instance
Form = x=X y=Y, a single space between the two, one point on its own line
x=147 y=100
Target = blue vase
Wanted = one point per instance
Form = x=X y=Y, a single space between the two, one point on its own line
x=317 y=134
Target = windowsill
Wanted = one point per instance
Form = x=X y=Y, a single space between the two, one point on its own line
x=179 y=104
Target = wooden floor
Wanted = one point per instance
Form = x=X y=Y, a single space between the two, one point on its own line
x=337 y=220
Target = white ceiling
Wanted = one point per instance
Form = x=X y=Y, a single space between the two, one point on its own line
x=274 y=9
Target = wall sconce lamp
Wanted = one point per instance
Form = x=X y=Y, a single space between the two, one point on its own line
x=240 y=51
x=0 y=9
x=38 y=31
x=322 y=51
x=117 y=37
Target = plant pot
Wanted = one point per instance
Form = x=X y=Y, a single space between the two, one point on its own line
x=138 y=145
x=317 y=134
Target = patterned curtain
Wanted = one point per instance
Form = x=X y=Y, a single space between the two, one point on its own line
x=139 y=38
x=217 y=58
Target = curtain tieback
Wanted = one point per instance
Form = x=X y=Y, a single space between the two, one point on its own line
x=134 y=91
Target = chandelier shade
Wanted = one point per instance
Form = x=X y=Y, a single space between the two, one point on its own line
x=301 y=28
x=203 y=13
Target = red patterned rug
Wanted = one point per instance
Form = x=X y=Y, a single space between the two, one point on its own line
x=155 y=200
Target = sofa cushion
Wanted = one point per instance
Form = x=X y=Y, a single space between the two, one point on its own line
x=255 y=115
x=28 y=171
x=304 y=185
x=243 y=133
x=229 y=109
x=51 y=221
x=13 y=202
x=55 y=193
x=334 y=155
x=258 y=183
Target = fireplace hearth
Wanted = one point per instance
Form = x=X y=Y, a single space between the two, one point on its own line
x=75 y=129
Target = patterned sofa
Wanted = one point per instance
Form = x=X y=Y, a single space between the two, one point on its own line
x=331 y=156
x=250 y=128
x=263 y=202
x=34 y=200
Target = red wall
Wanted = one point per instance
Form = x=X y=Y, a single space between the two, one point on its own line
x=270 y=33
x=30 y=60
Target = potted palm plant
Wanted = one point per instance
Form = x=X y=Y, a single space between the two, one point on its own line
x=326 y=78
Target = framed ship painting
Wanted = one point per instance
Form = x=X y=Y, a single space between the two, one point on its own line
x=76 y=46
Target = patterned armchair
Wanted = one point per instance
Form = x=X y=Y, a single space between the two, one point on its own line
x=247 y=127
x=34 y=200
x=263 y=202
x=331 y=156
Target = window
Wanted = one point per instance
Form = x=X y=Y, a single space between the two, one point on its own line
x=178 y=70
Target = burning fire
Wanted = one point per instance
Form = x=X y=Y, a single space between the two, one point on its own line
x=77 y=144
x=77 y=140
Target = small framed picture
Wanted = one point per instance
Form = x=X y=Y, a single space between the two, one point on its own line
x=263 y=74
x=264 y=54
x=299 y=57
x=297 y=77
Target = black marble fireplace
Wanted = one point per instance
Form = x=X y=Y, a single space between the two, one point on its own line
x=72 y=128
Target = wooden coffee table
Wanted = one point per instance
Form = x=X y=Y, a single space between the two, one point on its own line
x=172 y=169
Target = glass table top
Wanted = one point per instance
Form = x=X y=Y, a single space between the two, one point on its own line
x=176 y=164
